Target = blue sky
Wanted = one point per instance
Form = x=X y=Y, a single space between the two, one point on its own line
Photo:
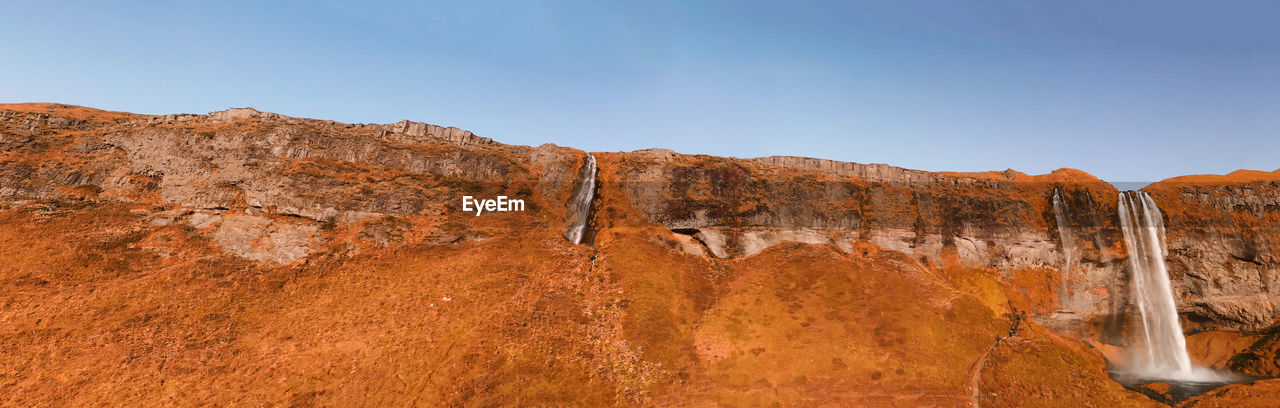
x=1126 y=90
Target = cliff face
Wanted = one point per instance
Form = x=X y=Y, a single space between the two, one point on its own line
x=265 y=184
x=1002 y=222
x=1220 y=233
x=258 y=250
x=1223 y=235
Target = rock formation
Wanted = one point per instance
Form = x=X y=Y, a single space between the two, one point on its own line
x=169 y=259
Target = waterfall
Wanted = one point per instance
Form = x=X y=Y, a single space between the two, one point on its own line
x=1064 y=234
x=1164 y=354
x=580 y=207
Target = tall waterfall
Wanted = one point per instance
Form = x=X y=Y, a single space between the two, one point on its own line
x=580 y=206
x=1164 y=354
x=1064 y=233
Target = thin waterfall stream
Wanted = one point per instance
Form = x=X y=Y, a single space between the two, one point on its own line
x=580 y=206
x=1064 y=234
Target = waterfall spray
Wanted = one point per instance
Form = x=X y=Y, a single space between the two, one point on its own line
x=1064 y=234
x=1164 y=354
x=580 y=206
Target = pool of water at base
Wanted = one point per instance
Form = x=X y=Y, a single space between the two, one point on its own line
x=1179 y=390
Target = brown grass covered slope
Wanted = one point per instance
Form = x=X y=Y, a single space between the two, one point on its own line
x=516 y=320
x=246 y=259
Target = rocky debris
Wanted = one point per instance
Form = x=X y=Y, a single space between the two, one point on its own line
x=265 y=239
x=417 y=131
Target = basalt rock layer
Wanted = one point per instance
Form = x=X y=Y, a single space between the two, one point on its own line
x=256 y=258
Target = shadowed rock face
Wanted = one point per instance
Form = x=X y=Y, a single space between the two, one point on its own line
x=299 y=245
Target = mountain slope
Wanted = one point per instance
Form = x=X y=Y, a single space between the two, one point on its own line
x=249 y=257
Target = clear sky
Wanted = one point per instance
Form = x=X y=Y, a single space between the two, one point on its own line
x=1126 y=90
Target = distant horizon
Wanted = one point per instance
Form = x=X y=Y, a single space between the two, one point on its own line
x=1128 y=91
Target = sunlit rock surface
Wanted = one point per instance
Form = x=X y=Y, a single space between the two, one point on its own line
x=244 y=257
